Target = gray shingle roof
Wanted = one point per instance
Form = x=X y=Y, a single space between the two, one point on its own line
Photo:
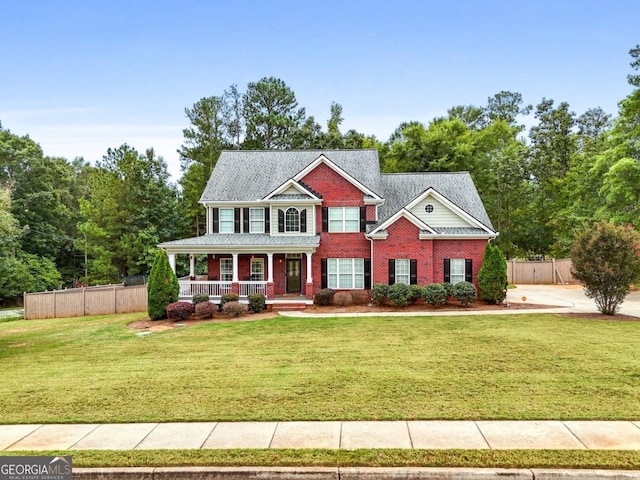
x=250 y=175
x=399 y=189
x=240 y=239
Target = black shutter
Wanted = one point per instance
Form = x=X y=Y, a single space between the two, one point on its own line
x=325 y=219
x=303 y=221
x=236 y=220
x=245 y=220
x=267 y=220
x=367 y=274
x=280 y=221
x=215 y=220
x=392 y=271
x=323 y=273
x=468 y=271
x=363 y=219
x=413 y=271
x=447 y=270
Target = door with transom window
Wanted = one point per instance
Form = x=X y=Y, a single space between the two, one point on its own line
x=294 y=280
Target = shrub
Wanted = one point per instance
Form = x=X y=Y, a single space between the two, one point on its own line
x=399 y=294
x=360 y=297
x=163 y=287
x=465 y=293
x=448 y=290
x=605 y=258
x=379 y=293
x=324 y=297
x=235 y=309
x=434 y=294
x=492 y=277
x=205 y=309
x=257 y=303
x=200 y=298
x=415 y=293
x=179 y=310
x=342 y=299
x=229 y=297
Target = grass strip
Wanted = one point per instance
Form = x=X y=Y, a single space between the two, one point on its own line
x=572 y=459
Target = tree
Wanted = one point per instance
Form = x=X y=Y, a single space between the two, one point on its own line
x=606 y=259
x=163 y=287
x=492 y=277
x=271 y=114
x=130 y=208
x=14 y=275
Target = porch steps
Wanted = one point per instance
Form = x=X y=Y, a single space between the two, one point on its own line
x=288 y=307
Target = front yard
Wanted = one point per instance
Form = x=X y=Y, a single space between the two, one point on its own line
x=527 y=366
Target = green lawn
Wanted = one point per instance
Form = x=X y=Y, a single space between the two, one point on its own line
x=95 y=369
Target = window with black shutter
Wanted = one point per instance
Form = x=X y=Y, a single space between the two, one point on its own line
x=236 y=220
x=215 y=221
x=392 y=271
x=363 y=219
x=367 y=274
x=325 y=219
x=245 y=220
x=303 y=221
x=413 y=272
x=323 y=273
x=267 y=220
x=468 y=270
x=280 y=221
x=447 y=270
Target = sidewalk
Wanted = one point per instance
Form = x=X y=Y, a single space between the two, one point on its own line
x=497 y=435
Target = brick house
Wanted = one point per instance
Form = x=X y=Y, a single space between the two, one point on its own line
x=288 y=223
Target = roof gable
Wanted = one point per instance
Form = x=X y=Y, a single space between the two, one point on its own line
x=455 y=190
x=251 y=175
x=292 y=188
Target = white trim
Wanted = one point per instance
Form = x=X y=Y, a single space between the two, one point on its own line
x=459 y=236
x=431 y=192
x=322 y=159
x=406 y=214
x=291 y=183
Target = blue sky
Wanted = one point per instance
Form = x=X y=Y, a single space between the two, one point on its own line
x=82 y=76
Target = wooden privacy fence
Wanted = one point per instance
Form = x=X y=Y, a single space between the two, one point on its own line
x=540 y=272
x=78 y=302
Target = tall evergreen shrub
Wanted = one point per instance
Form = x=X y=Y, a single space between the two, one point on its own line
x=162 y=288
x=492 y=277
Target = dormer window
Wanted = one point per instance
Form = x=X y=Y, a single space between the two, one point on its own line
x=292 y=220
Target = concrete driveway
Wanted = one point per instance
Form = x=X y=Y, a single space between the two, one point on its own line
x=571 y=296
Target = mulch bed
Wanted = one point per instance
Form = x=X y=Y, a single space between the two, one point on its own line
x=160 y=325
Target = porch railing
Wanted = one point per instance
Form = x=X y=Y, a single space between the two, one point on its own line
x=189 y=288
x=251 y=288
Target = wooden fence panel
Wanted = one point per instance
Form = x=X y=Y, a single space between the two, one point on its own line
x=540 y=272
x=101 y=300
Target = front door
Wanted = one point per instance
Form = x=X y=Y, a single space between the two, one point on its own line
x=293 y=275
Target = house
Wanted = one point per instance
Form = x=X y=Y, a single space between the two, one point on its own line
x=288 y=223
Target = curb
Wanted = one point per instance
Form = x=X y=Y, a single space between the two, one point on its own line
x=346 y=473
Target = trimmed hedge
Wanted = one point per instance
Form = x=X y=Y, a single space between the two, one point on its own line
x=205 y=310
x=200 y=298
x=399 y=294
x=179 y=310
x=324 y=297
x=229 y=297
x=257 y=303
x=465 y=293
x=434 y=294
x=235 y=309
x=379 y=293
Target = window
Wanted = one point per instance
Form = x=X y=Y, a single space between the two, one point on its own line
x=345 y=272
x=257 y=269
x=256 y=220
x=457 y=270
x=226 y=220
x=292 y=220
x=344 y=219
x=403 y=271
x=429 y=208
x=226 y=269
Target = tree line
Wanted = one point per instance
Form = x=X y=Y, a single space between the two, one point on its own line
x=67 y=222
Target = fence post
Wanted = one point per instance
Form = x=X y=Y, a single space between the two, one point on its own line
x=553 y=265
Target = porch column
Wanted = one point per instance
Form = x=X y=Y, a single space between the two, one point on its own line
x=235 y=267
x=235 y=286
x=192 y=265
x=309 y=276
x=309 y=286
x=270 y=267
x=172 y=262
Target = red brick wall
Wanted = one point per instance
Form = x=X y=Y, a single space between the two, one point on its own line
x=473 y=249
x=403 y=242
x=336 y=191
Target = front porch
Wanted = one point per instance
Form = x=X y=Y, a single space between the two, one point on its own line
x=190 y=286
